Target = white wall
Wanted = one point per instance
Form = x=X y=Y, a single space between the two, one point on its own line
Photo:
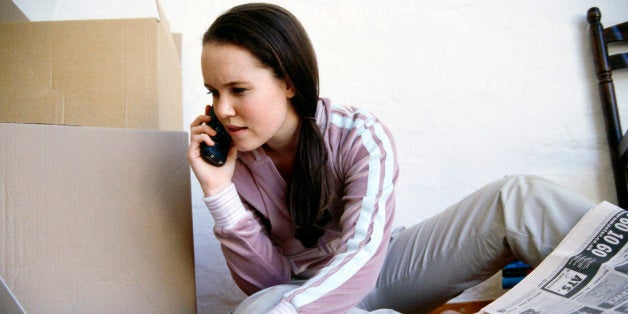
x=472 y=91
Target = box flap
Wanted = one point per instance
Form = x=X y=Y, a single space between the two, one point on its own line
x=9 y=12
x=8 y=302
x=58 y=10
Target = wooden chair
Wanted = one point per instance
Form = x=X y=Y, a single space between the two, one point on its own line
x=604 y=64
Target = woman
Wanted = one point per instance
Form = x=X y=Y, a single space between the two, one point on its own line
x=305 y=202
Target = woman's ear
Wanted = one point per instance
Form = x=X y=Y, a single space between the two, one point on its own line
x=290 y=91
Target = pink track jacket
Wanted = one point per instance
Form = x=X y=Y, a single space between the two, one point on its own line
x=254 y=229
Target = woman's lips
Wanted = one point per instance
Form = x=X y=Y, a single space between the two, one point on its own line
x=234 y=130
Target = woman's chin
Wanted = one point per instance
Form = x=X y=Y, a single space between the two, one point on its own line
x=243 y=147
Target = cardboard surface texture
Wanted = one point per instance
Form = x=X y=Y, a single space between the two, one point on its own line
x=96 y=220
x=108 y=73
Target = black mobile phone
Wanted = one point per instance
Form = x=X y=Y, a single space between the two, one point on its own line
x=216 y=154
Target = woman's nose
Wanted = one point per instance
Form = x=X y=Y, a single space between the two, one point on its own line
x=223 y=107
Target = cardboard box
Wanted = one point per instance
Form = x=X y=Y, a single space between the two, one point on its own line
x=108 y=73
x=96 y=220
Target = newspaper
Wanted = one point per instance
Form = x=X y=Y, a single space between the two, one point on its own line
x=586 y=273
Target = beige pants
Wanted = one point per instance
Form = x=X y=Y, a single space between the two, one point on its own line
x=522 y=217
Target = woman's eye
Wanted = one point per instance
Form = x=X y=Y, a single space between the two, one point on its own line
x=238 y=90
x=213 y=93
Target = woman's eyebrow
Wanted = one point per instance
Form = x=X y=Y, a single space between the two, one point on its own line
x=229 y=84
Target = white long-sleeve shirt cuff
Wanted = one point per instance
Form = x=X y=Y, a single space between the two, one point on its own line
x=226 y=207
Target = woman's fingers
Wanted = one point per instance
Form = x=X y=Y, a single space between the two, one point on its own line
x=201 y=132
x=199 y=121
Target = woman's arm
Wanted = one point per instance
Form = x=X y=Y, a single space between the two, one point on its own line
x=369 y=166
x=255 y=263
x=251 y=256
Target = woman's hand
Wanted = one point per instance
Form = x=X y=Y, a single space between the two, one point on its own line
x=212 y=179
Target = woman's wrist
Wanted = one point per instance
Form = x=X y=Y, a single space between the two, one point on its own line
x=215 y=190
x=226 y=207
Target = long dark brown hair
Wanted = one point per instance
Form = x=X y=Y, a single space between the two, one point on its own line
x=279 y=41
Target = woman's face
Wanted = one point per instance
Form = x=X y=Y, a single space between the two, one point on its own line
x=252 y=104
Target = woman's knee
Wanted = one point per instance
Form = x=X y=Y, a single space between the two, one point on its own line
x=530 y=192
x=523 y=184
x=538 y=213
